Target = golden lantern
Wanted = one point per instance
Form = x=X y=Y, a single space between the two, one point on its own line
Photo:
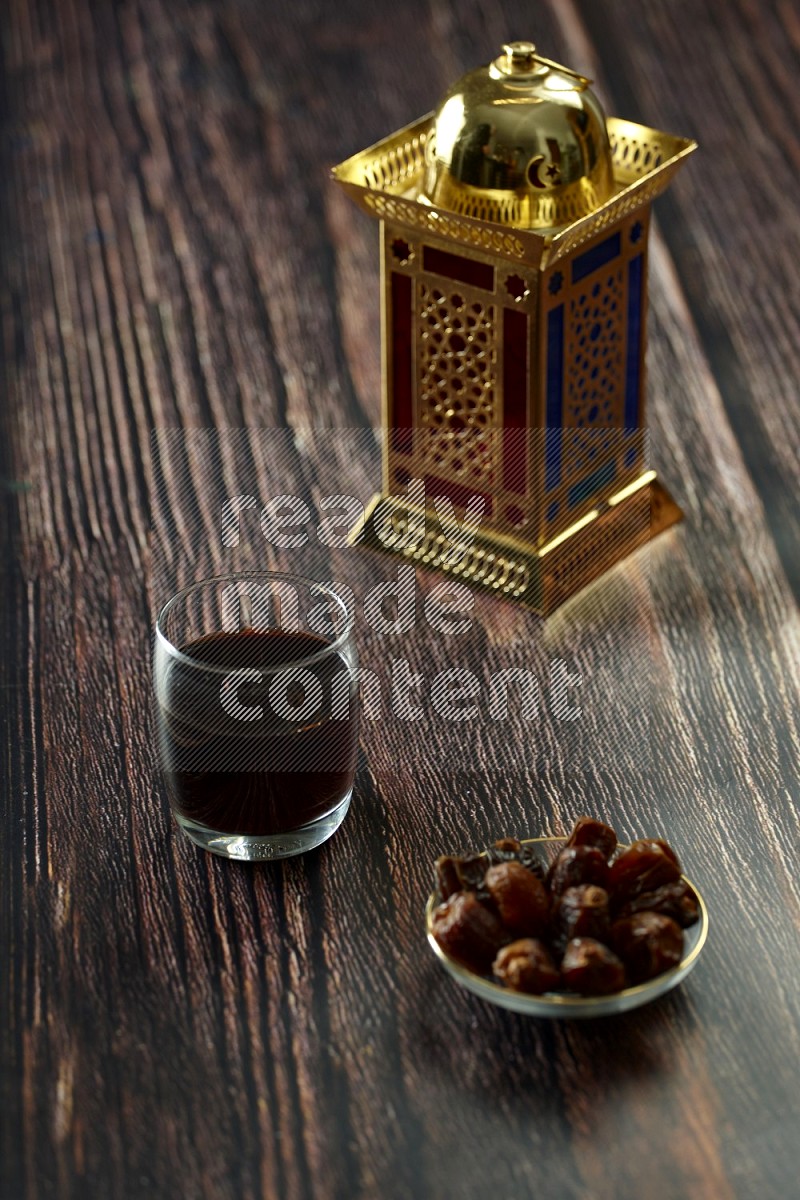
x=514 y=227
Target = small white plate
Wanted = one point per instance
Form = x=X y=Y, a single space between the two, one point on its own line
x=559 y=1005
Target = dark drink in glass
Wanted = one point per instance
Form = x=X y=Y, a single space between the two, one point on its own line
x=257 y=717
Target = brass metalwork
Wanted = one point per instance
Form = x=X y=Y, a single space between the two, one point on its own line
x=457 y=406
x=519 y=142
x=521 y=59
x=539 y=580
x=507 y=332
x=386 y=181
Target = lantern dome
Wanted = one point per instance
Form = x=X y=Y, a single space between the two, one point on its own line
x=520 y=142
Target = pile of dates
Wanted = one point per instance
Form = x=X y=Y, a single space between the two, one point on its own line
x=601 y=919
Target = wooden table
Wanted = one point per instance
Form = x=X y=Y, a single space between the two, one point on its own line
x=175 y=256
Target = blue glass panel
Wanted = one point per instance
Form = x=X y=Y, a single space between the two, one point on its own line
x=598 y=256
x=633 y=353
x=592 y=483
x=555 y=389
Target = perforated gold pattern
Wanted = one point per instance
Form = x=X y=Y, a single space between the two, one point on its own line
x=611 y=214
x=396 y=166
x=611 y=538
x=508 y=208
x=457 y=383
x=386 y=180
x=490 y=563
x=397 y=162
x=502 y=570
x=635 y=153
x=512 y=569
x=392 y=208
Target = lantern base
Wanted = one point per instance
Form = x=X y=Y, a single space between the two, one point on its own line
x=539 y=579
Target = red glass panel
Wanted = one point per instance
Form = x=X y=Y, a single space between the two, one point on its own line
x=454 y=266
x=401 y=415
x=515 y=399
x=459 y=493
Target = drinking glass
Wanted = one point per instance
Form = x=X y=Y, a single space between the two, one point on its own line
x=257 y=712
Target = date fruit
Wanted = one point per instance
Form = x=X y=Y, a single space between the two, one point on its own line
x=591 y=968
x=447 y=876
x=581 y=912
x=576 y=865
x=589 y=832
x=526 y=966
x=471 y=871
x=504 y=850
x=512 y=850
x=648 y=943
x=520 y=898
x=468 y=931
x=529 y=860
x=644 y=866
x=676 y=900
x=602 y=917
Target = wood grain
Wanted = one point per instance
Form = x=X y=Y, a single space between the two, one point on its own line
x=174 y=258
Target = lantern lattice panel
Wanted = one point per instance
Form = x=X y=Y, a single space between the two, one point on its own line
x=457 y=384
x=593 y=373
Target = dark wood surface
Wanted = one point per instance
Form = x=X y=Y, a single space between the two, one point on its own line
x=174 y=256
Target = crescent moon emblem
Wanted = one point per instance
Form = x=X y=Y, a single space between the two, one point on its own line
x=543 y=174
